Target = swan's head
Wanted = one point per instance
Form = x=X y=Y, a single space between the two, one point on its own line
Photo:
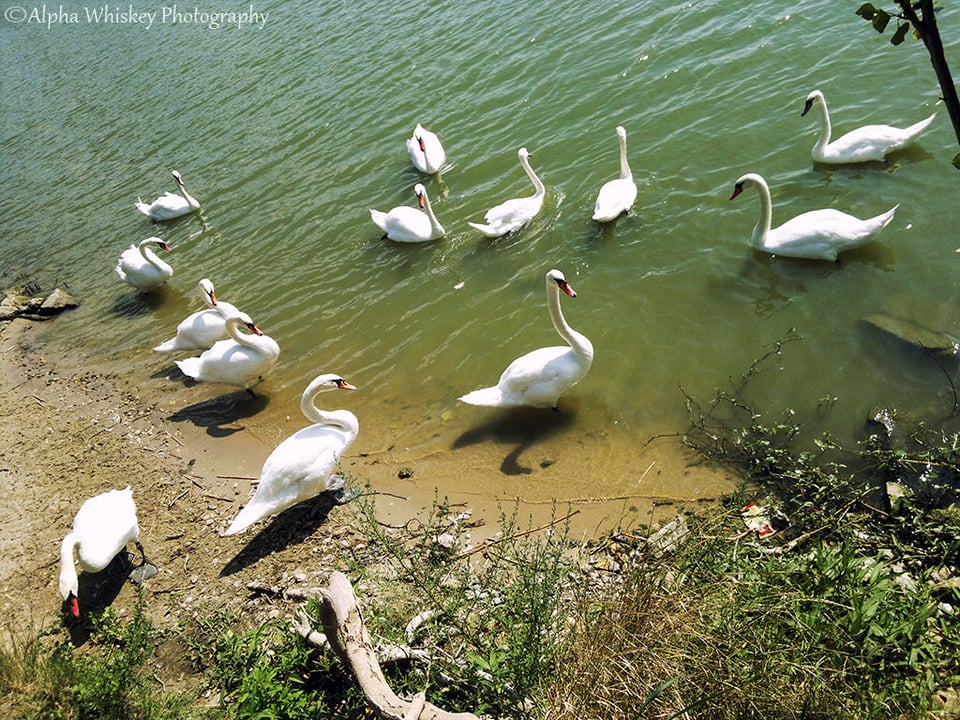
x=421 y=192
x=745 y=181
x=621 y=133
x=523 y=154
x=206 y=287
x=558 y=277
x=815 y=96
x=177 y=177
x=329 y=381
x=155 y=241
x=241 y=318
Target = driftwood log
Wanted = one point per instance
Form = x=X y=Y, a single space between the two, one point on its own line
x=347 y=636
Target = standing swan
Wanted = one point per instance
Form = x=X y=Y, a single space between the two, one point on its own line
x=870 y=142
x=407 y=224
x=300 y=466
x=140 y=267
x=617 y=196
x=101 y=529
x=514 y=214
x=426 y=152
x=203 y=328
x=816 y=235
x=170 y=205
x=242 y=360
x=540 y=377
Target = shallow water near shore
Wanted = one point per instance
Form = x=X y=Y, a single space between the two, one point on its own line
x=288 y=133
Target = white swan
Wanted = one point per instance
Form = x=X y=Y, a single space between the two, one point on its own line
x=816 y=235
x=242 y=360
x=204 y=327
x=870 y=142
x=540 y=377
x=514 y=214
x=426 y=152
x=407 y=224
x=300 y=466
x=170 y=205
x=140 y=267
x=101 y=529
x=616 y=196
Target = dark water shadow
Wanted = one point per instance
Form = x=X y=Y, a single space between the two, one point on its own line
x=96 y=592
x=290 y=527
x=223 y=410
x=136 y=304
x=524 y=427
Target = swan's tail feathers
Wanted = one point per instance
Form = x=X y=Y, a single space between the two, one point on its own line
x=487 y=230
x=914 y=130
x=142 y=207
x=168 y=346
x=245 y=518
x=189 y=367
x=379 y=218
x=486 y=397
x=884 y=219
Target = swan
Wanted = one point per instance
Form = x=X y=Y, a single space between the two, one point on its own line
x=301 y=466
x=170 y=205
x=140 y=267
x=426 y=152
x=241 y=360
x=101 y=530
x=514 y=214
x=870 y=142
x=407 y=224
x=817 y=235
x=540 y=377
x=616 y=196
x=204 y=327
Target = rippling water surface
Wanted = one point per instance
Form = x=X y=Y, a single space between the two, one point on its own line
x=288 y=133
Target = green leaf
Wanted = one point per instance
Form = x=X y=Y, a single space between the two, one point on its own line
x=900 y=34
x=880 y=20
x=866 y=11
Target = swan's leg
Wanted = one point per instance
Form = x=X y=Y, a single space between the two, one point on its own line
x=145 y=570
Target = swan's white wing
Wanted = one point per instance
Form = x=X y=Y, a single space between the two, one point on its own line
x=822 y=234
x=615 y=198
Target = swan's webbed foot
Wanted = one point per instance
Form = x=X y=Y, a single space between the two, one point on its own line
x=145 y=570
x=252 y=393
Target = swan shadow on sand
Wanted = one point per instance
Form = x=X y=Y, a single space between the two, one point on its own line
x=216 y=412
x=99 y=590
x=525 y=427
x=290 y=527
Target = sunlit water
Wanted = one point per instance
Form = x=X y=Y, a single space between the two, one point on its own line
x=290 y=130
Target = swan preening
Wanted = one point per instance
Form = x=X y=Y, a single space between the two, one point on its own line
x=515 y=213
x=816 y=235
x=426 y=152
x=170 y=205
x=241 y=360
x=140 y=267
x=300 y=467
x=101 y=530
x=617 y=196
x=408 y=224
x=540 y=377
x=865 y=144
x=203 y=328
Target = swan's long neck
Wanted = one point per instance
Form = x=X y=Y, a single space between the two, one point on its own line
x=233 y=329
x=191 y=201
x=625 y=173
x=343 y=419
x=434 y=223
x=537 y=183
x=145 y=252
x=825 y=128
x=575 y=340
x=762 y=228
x=68 y=570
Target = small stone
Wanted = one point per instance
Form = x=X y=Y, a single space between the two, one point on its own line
x=56 y=302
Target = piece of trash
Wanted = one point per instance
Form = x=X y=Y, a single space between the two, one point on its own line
x=757 y=518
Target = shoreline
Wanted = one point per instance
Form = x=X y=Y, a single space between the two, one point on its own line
x=69 y=434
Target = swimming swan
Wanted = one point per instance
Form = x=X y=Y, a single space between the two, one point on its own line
x=616 y=196
x=170 y=205
x=300 y=467
x=101 y=530
x=140 y=267
x=540 y=377
x=203 y=328
x=870 y=142
x=241 y=360
x=817 y=235
x=407 y=224
x=426 y=152
x=514 y=214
